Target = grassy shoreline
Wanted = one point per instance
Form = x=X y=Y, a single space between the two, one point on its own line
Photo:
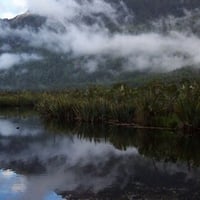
x=155 y=105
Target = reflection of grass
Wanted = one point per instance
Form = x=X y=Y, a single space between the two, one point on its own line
x=159 y=145
x=156 y=105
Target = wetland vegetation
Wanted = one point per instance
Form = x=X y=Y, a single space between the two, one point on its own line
x=159 y=105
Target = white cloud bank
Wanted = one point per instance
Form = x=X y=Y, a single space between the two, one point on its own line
x=142 y=51
x=8 y=60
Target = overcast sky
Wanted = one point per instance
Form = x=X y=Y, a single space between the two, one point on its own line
x=11 y=8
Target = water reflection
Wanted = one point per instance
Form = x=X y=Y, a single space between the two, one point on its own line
x=13 y=186
x=159 y=145
x=108 y=162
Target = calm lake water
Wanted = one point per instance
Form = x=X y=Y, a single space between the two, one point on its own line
x=40 y=161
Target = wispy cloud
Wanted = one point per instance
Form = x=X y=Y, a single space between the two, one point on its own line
x=79 y=28
x=8 y=60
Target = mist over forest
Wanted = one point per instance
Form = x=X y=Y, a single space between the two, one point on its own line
x=59 y=44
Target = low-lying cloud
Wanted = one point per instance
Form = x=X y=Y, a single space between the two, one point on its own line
x=144 y=51
x=68 y=31
x=8 y=60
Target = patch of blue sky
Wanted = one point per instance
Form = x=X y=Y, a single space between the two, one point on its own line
x=12 y=186
x=11 y=8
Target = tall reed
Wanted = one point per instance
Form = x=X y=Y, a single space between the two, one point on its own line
x=153 y=105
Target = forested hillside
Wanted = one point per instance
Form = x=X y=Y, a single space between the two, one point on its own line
x=99 y=42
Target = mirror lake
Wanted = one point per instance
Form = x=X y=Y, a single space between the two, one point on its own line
x=51 y=161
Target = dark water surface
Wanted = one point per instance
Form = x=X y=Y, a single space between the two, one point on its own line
x=40 y=161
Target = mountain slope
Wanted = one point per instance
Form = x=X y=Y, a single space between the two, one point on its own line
x=98 y=42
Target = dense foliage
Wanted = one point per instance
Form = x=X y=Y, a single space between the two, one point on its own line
x=154 y=105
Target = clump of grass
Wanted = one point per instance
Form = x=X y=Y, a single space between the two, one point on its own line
x=187 y=105
x=87 y=109
x=154 y=105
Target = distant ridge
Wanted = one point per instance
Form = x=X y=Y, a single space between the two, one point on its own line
x=37 y=67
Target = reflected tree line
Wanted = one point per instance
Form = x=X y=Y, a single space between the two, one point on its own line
x=158 y=145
